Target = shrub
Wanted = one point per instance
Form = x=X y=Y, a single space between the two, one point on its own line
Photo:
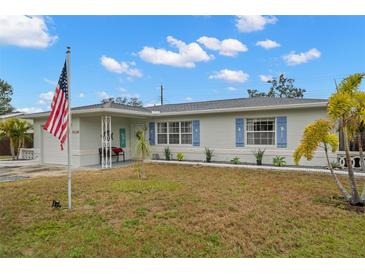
x=279 y=161
x=209 y=154
x=168 y=154
x=259 y=154
x=334 y=164
x=235 y=160
x=180 y=156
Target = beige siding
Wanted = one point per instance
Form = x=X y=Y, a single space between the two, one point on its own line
x=217 y=131
x=47 y=148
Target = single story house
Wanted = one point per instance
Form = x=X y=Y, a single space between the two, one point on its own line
x=232 y=127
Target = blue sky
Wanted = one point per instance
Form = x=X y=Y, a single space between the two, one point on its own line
x=195 y=57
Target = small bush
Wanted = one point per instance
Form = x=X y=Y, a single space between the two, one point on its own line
x=259 y=154
x=334 y=164
x=235 y=160
x=168 y=154
x=279 y=161
x=209 y=154
x=180 y=156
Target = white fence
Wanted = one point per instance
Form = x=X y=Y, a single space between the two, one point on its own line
x=27 y=154
x=355 y=159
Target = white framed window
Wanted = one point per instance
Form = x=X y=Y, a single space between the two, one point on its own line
x=260 y=131
x=174 y=133
x=186 y=133
x=162 y=133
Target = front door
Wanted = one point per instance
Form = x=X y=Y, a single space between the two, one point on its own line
x=136 y=128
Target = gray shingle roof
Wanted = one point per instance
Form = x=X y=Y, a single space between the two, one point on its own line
x=233 y=103
x=112 y=105
x=200 y=106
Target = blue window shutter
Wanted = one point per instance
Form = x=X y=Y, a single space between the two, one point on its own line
x=151 y=132
x=240 y=132
x=196 y=133
x=281 y=134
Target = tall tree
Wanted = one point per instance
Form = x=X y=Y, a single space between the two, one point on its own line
x=6 y=91
x=342 y=111
x=255 y=93
x=282 y=88
x=129 y=101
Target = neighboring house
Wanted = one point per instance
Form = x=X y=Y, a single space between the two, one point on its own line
x=4 y=142
x=233 y=127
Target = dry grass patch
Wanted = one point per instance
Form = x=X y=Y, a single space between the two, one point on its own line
x=179 y=211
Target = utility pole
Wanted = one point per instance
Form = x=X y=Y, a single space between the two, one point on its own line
x=336 y=84
x=161 y=94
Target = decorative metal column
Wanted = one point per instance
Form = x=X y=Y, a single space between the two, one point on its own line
x=106 y=141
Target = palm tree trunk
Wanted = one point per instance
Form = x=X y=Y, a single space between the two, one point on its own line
x=21 y=142
x=142 y=169
x=343 y=191
x=12 y=148
x=355 y=198
x=361 y=152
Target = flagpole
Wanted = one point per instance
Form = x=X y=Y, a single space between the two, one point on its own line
x=69 y=156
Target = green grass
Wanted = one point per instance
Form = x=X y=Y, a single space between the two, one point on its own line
x=180 y=211
x=144 y=186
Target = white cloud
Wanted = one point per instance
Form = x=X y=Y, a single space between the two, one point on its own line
x=230 y=75
x=293 y=58
x=82 y=95
x=231 y=88
x=250 y=23
x=25 y=31
x=103 y=95
x=227 y=47
x=265 y=78
x=113 y=65
x=51 y=82
x=186 y=56
x=268 y=44
x=188 y=98
x=30 y=110
x=45 y=98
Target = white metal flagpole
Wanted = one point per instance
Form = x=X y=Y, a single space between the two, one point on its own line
x=69 y=156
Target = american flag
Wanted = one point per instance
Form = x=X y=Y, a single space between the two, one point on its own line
x=58 y=119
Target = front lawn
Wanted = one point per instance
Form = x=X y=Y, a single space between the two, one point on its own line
x=180 y=211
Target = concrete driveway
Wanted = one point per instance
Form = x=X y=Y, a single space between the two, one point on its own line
x=16 y=170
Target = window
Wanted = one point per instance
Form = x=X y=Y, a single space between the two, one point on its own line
x=175 y=133
x=186 y=133
x=162 y=133
x=261 y=131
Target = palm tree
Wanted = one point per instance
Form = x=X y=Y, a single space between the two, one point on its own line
x=342 y=111
x=357 y=125
x=17 y=132
x=143 y=151
x=319 y=134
